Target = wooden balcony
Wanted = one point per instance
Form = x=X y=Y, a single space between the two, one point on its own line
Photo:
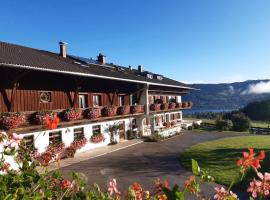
x=169 y=107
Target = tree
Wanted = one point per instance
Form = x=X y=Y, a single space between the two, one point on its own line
x=240 y=122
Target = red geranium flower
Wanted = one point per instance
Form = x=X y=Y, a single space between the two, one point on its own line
x=52 y=124
x=65 y=184
x=251 y=160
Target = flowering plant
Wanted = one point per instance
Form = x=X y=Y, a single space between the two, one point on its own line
x=109 y=111
x=184 y=104
x=189 y=104
x=167 y=124
x=11 y=120
x=164 y=106
x=137 y=109
x=173 y=123
x=178 y=105
x=172 y=105
x=155 y=107
x=92 y=113
x=97 y=138
x=79 y=143
x=123 y=110
x=71 y=114
x=42 y=117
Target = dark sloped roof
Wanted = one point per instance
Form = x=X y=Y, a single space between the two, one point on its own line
x=25 y=57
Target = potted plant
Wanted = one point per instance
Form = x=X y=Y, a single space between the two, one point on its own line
x=79 y=143
x=178 y=105
x=11 y=120
x=97 y=138
x=70 y=152
x=42 y=117
x=109 y=111
x=92 y=113
x=155 y=107
x=189 y=104
x=173 y=123
x=137 y=109
x=123 y=110
x=70 y=114
x=164 y=106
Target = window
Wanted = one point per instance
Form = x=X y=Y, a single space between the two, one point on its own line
x=45 y=97
x=78 y=133
x=29 y=141
x=96 y=100
x=55 y=137
x=167 y=118
x=172 y=117
x=121 y=100
x=83 y=99
x=134 y=99
x=96 y=130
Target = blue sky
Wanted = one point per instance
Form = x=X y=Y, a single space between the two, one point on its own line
x=190 y=40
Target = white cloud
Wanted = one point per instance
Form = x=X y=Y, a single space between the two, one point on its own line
x=258 y=88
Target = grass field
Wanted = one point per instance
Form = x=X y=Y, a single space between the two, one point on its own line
x=219 y=157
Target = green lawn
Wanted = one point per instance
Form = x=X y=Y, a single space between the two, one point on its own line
x=259 y=124
x=219 y=157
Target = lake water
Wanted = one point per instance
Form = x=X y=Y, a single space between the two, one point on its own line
x=193 y=111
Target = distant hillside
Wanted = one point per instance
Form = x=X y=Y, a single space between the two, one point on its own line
x=228 y=96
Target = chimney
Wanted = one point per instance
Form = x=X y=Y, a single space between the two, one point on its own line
x=140 y=68
x=130 y=67
x=101 y=58
x=63 y=49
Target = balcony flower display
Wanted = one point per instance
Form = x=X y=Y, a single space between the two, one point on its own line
x=79 y=143
x=10 y=121
x=155 y=107
x=167 y=124
x=184 y=104
x=123 y=110
x=92 y=113
x=70 y=152
x=56 y=148
x=71 y=114
x=97 y=138
x=42 y=117
x=164 y=106
x=178 y=105
x=172 y=105
x=136 y=109
x=109 y=111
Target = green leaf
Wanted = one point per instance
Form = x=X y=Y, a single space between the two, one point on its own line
x=195 y=168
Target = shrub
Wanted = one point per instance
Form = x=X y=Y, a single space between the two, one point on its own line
x=41 y=117
x=92 y=113
x=11 y=120
x=123 y=110
x=172 y=105
x=224 y=125
x=155 y=107
x=70 y=114
x=164 y=106
x=109 y=111
x=240 y=122
x=196 y=126
x=136 y=109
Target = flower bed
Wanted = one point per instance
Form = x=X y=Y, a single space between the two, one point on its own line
x=123 y=110
x=70 y=114
x=172 y=105
x=164 y=106
x=137 y=109
x=155 y=107
x=42 y=117
x=98 y=138
x=11 y=120
x=109 y=111
x=92 y=113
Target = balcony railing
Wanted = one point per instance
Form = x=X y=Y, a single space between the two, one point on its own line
x=170 y=106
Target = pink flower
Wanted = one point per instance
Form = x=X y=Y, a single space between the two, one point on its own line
x=260 y=187
x=112 y=188
x=15 y=140
x=65 y=184
x=222 y=194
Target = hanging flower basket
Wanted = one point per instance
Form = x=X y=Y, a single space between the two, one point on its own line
x=92 y=113
x=71 y=114
x=164 y=106
x=137 y=109
x=172 y=105
x=184 y=104
x=109 y=111
x=155 y=107
x=11 y=120
x=97 y=138
x=42 y=117
x=123 y=110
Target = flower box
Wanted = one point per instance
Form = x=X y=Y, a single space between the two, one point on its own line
x=123 y=110
x=173 y=123
x=92 y=113
x=11 y=120
x=167 y=124
x=79 y=143
x=172 y=105
x=184 y=104
x=70 y=114
x=70 y=152
x=109 y=111
x=189 y=104
x=155 y=107
x=137 y=109
x=178 y=105
x=42 y=117
x=97 y=138
x=56 y=148
x=164 y=106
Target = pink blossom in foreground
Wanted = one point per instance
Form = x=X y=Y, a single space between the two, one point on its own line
x=112 y=188
x=260 y=187
x=222 y=194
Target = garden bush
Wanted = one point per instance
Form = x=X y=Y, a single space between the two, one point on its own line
x=224 y=125
x=240 y=122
